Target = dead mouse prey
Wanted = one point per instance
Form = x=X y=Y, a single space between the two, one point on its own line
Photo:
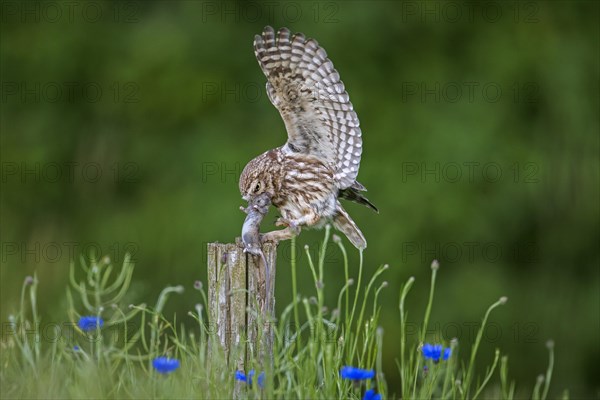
x=256 y=211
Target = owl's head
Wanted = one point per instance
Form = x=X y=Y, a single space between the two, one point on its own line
x=257 y=178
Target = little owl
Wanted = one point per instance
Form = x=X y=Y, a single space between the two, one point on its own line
x=318 y=165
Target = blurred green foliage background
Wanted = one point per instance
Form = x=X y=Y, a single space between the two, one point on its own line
x=125 y=126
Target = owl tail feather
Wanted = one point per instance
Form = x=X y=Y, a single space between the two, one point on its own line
x=343 y=223
x=354 y=195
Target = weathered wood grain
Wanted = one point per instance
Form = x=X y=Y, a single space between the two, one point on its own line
x=240 y=309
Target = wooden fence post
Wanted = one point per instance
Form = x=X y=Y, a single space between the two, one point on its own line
x=240 y=309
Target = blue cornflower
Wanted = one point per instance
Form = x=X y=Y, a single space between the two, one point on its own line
x=90 y=323
x=240 y=376
x=434 y=352
x=165 y=365
x=356 y=374
x=75 y=348
x=371 y=395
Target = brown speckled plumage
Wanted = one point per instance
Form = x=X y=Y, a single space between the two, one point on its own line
x=320 y=161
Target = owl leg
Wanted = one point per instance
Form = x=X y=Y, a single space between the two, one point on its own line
x=281 y=222
x=293 y=227
x=307 y=219
x=282 y=234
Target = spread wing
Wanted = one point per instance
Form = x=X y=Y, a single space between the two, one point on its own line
x=306 y=89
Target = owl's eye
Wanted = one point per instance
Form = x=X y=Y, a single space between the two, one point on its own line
x=257 y=187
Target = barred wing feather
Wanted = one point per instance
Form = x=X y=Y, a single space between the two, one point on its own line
x=312 y=100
